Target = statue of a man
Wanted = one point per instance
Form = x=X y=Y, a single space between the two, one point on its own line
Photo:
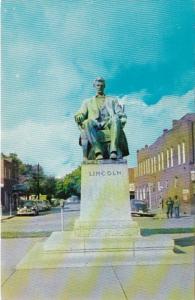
x=101 y=120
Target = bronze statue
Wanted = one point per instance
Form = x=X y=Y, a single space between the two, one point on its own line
x=101 y=121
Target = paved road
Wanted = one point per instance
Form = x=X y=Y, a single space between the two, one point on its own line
x=46 y=221
x=51 y=221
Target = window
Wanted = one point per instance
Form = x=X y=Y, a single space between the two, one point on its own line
x=162 y=160
x=159 y=162
x=175 y=181
x=148 y=166
x=144 y=194
x=144 y=162
x=154 y=164
x=9 y=173
x=179 y=154
x=171 y=156
x=168 y=162
x=140 y=194
x=183 y=153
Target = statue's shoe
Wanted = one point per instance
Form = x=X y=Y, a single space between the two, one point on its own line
x=113 y=155
x=99 y=156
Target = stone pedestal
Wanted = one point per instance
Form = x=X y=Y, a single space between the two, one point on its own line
x=105 y=205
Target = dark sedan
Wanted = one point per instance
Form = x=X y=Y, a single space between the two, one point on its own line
x=139 y=208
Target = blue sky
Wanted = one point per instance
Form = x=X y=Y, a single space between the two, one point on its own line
x=52 y=51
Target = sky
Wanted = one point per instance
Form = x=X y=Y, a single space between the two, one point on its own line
x=52 y=50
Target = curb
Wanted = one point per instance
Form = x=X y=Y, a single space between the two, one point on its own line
x=7 y=217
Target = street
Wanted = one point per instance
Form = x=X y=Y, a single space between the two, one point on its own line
x=45 y=221
x=51 y=221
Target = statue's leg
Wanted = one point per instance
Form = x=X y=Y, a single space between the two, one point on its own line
x=90 y=129
x=84 y=144
x=115 y=128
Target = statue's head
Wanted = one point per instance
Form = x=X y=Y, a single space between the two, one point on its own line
x=99 y=84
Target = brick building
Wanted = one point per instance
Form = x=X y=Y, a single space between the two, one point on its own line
x=9 y=177
x=167 y=167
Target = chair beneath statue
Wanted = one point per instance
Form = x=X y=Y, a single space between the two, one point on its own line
x=104 y=139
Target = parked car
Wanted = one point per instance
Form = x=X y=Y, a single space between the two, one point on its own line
x=43 y=205
x=55 y=202
x=140 y=208
x=28 y=207
x=48 y=205
x=73 y=199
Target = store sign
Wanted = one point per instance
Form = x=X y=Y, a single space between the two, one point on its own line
x=185 y=193
x=131 y=187
x=193 y=175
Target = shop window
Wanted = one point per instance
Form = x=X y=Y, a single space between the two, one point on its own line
x=144 y=194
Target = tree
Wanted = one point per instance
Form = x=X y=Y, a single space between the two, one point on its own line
x=60 y=192
x=69 y=185
x=16 y=160
x=36 y=180
x=49 y=186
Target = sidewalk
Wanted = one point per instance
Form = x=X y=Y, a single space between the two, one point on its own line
x=162 y=281
x=6 y=216
x=185 y=221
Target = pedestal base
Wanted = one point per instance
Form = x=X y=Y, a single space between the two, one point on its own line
x=106 y=229
x=64 y=249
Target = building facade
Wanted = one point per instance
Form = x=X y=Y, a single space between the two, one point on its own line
x=9 y=177
x=132 y=172
x=167 y=167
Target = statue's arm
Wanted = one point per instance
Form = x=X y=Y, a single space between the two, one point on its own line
x=82 y=114
x=119 y=110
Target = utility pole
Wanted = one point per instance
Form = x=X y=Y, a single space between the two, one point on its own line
x=38 y=185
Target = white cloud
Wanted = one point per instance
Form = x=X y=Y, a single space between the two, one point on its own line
x=55 y=145
x=146 y=122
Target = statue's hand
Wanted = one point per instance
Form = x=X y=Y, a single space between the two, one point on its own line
x=79 y=118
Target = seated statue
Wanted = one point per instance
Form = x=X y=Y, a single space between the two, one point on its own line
x=101 y=121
